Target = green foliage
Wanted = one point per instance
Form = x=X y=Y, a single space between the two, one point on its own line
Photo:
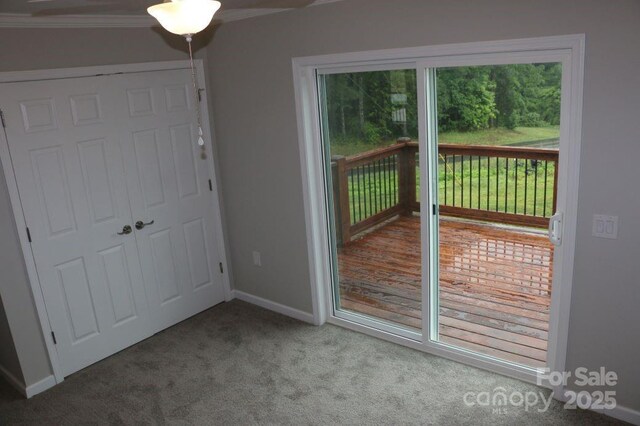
x=466 y=98
x=509 y=100
x=360 y=107
x=375 y=108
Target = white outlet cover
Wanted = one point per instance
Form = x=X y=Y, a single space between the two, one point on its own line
x=605 y=226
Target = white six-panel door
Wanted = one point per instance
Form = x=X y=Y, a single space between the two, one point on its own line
x=91 y=156
x=168 y=182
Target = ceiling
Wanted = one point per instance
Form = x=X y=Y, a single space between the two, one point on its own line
x=132 y=8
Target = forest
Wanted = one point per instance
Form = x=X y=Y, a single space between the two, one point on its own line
x=374 y=108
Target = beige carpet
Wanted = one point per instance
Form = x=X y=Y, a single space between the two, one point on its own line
x=239 y=364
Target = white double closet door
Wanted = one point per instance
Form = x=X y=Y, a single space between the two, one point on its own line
x=93 y=156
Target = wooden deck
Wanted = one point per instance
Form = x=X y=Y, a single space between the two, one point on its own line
x=495 y=284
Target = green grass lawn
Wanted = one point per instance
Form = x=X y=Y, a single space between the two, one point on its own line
x=499 y=136
x=494 y=137
x=502 y=188
x=493 y=187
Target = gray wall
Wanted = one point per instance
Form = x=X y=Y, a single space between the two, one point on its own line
x=253 y=106
x=9 y=361
x=30 y=49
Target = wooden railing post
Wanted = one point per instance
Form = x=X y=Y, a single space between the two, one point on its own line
x=406 y=178
x=341 y=199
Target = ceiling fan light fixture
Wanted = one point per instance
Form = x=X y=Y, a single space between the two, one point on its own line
x=185 y=17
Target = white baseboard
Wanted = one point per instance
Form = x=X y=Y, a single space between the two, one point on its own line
x=620 y=412
x=13 y=380
x=40 y=386
x=272 y=306
x=626 y=414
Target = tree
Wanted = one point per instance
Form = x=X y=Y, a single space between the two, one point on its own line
x=466 y=98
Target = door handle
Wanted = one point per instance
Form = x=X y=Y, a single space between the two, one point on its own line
x=555 y=229
x=126 y=230
x=140 y=224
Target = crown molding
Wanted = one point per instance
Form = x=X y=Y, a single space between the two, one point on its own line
x=17 y=20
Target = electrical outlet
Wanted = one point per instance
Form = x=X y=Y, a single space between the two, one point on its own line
x=605 y=226
x=257 y=261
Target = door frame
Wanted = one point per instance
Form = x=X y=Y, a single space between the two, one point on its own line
x=16 y=205
x=571 y=49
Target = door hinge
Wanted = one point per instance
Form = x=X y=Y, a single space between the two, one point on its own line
x=4 y=124
x=200 y=94
x=28 y=234
x=210 y=185
x=53 y=336
x=221 y=268
x=435 y=209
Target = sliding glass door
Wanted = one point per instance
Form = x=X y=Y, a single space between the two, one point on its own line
x=441 y=186
x=495 y=149
x=370 y=139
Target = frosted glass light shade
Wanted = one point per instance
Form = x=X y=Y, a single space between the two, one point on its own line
x=184 y=17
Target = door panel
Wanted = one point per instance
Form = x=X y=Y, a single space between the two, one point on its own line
x=164 y=266
x=184 y=161
x=97 y=180
x=495 y=184
x=118 y=278
x=166 y=176
x=78 y=299
x=148 y=167
x=369 y=129
x=69 y=170
x=51 y=179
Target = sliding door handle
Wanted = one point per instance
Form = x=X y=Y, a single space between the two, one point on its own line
x=555 y=229
x=140 y=224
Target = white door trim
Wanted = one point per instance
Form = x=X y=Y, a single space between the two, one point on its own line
x=570 y=47
x=5 y=158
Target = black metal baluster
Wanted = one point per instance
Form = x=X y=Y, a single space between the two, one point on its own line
x=389 y=182
x=445 y=179
x=526 y=181
x=385 y=165
x=361 y=200
x=372 y=177
x=479 y=177
x=544 y=208
x=515 y=203
x=535 y=190
x=387 y=162
x=379 y=183
x=488 y=180
x=462 y=181
x=453 y=181
x=506 y=182
x=470 y=182
x=497 y=182
x=369 y=191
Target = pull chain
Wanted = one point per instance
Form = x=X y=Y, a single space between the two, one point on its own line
x=195 y=92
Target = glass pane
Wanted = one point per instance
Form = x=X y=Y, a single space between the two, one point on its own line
x=370 y=130
x=498 y=139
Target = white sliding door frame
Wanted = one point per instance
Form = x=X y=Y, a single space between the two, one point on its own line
x=569 y=50
x=5 y=157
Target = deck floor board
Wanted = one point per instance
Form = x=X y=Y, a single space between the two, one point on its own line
x=495 y=284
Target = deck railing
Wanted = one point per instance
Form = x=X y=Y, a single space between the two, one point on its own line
x=511 y=185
